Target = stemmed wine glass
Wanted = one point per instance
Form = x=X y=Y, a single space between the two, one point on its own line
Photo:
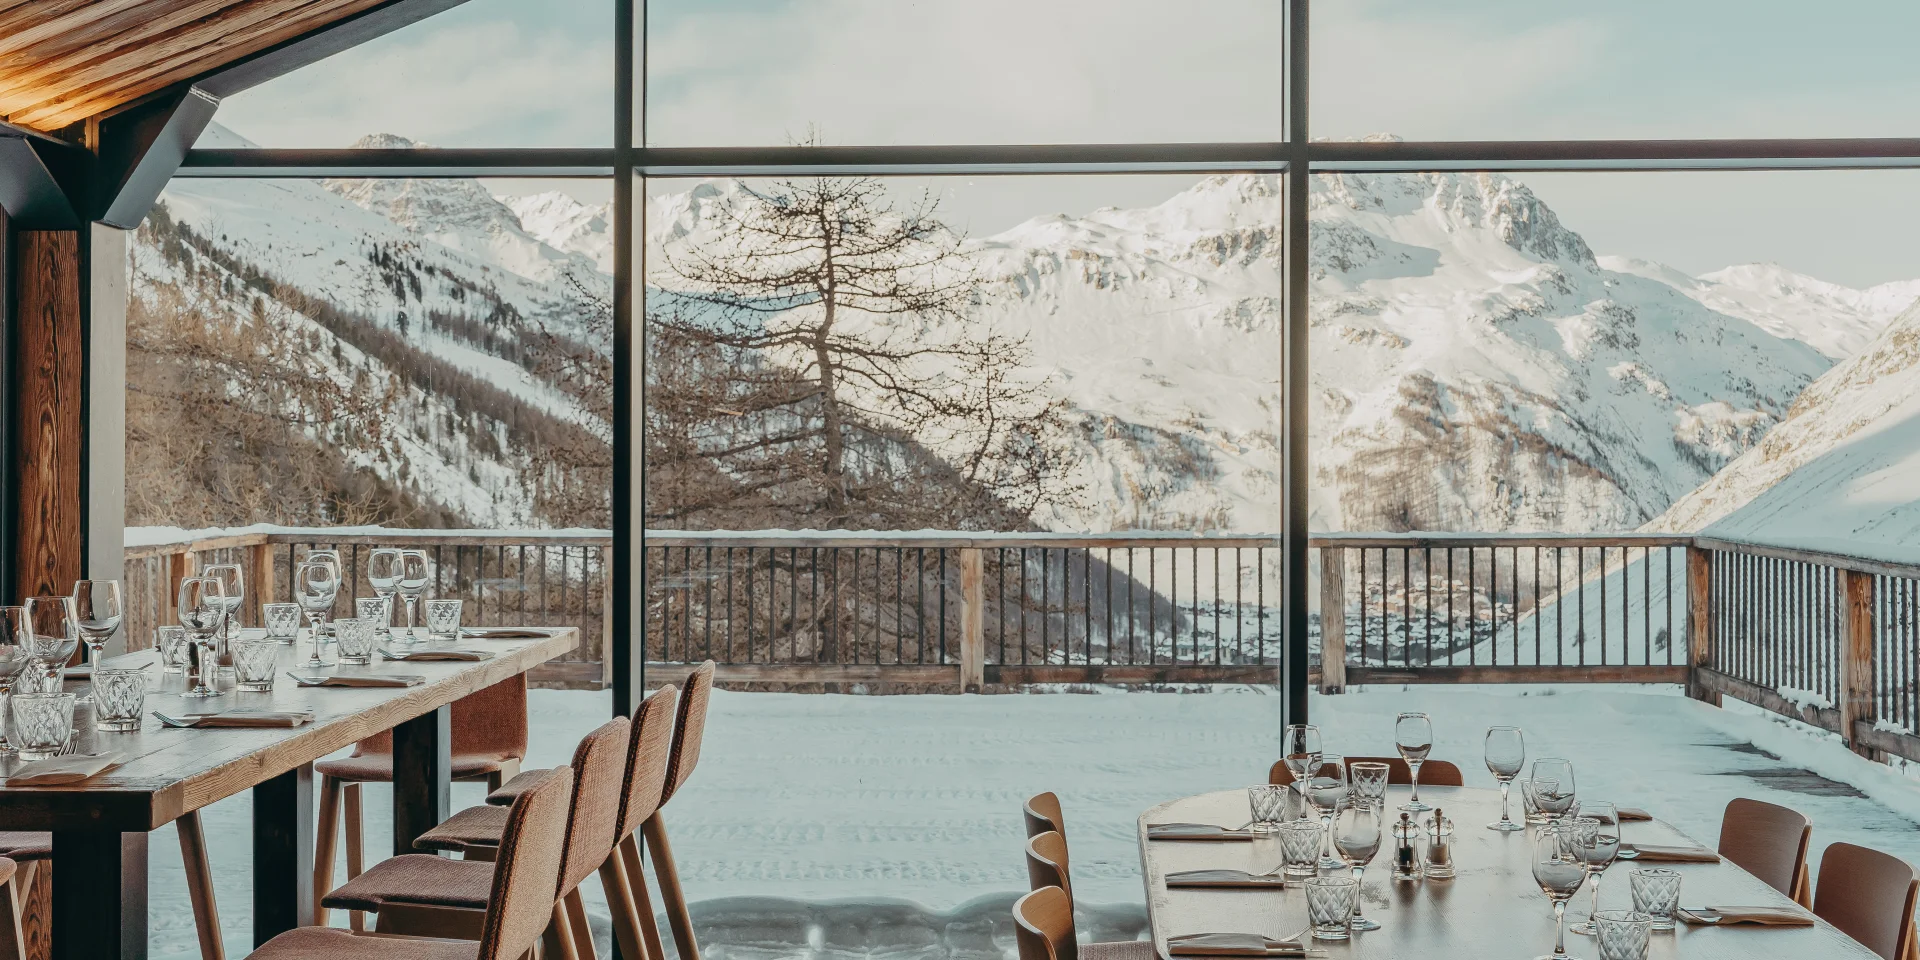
x=233 y=592
x=1506 y=753
x=315 y=585
x=1413 y=736
x=13 y=658
x=1559 y=871
x=1356 y=837
x=97 y=605
x=52 y=632
x=203 y=607
x=1300 y=751
x=383 y=574
x=1326 y=787
x=413 y=583
x=1553 y=787
x=1599 y=844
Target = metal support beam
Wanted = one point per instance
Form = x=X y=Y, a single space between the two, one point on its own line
x=141 y=147
x=39 y=181
x=1293 y=377
x=627 y=579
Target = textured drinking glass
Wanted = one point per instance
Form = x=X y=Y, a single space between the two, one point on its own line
x=171 y=642
x=355 y=640
x=1413 y=737
x=1368 y=781
x=376 y=611
x=119 y=699
x=1330 y=902
x=253 y=664
x=1268 y=803
x=1656 y=892
x=443 y=619
x=36 y=680
x=1622 y=934
x=282 y=620
x=43 y=723
x=1506 y=753
x=1300 y=847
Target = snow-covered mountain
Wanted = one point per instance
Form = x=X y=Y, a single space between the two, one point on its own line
x=564 y=223
x=1838 y=321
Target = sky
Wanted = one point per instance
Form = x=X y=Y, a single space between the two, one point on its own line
x=746 y=72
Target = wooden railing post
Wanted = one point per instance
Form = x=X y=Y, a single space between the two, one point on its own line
x=176 y=571
x=1333 y=620
x=606 y=621
x=259 y=581
x=1856 y=656
x=1700 y=625
x=973 y=620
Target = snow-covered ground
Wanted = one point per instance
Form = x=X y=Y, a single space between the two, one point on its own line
x=856 y=824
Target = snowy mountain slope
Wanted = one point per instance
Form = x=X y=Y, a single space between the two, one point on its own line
x=564 y=223
x=1836 y=320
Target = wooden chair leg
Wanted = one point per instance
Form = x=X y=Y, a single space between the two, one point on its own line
x=13 y=946
x=642 y=900
x=582 y=930
x=356 y=850
x=557 y=941
x=323 y=845
x=206 y=913
x=35 y=886
x=671 y=896
x=626 y=923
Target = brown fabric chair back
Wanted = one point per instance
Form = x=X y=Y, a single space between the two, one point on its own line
x=1047 y=862
x=1433 y=773
x=599 y=783
x=687 y=731
x=1043 y=925
x=528 y=868
x=1043 y=813
x=647 y=752
x=1869 y=895
x=1766 y=840
x=489 y=721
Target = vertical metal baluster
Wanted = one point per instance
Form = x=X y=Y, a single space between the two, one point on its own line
x=1107 y=599
x=1153 y=589
x=920 y=609
x=1132 y=655
x=1260 y=600
x=1216 y=603
x=1239 y=604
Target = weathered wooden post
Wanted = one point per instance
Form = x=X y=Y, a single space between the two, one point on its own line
x=1700 y=625
x=1856 y=657
x=259 y=580
x=1333 y=620
x=973 y=620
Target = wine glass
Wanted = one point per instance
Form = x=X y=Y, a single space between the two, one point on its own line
x=1326 y=788
x=314 y=587
x=13 y=658
x=1559 y=871
x=1413 y=736
x=52 y=632
x=1300 y=751
x=1356 y=837
x=203 y=607
x=1553 y=787
x=1599 y=844
x=1506 y=753
x=383 y=574
x=97 y=605
x=413 y=583
x=233 y=591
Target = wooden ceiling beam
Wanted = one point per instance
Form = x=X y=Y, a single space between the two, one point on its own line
x=21 y=14
x=107 y=25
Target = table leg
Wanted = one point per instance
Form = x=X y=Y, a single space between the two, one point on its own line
x=283 y=853
x=422 y=776
x=89 y=921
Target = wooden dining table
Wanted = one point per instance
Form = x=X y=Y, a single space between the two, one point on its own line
x=100 y=826
x=1491 y=908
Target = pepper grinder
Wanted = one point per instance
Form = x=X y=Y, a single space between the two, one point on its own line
x=1439 y=864
x=1406 y=849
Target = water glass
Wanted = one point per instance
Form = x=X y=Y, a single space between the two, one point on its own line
x=376 y=611
x=1656 y=892
x=254 y=663
x=34 y=679
x=354 y=638
x=1330 y=902
x=42 y=723
x=1368 y=781
x=171 y=642
x=1622 y=934
x=443 y=619
x=1268 y=803
x=282 y=620
x=119 y=699
x=1300 y=847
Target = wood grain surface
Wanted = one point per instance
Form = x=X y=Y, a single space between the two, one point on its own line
x=1490 y=909
x=48 y=365
x=171 y=771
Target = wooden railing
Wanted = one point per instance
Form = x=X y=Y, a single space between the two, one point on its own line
x=1826 y=638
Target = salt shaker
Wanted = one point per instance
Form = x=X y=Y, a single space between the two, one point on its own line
x=1439 y=865
x=1406 y=849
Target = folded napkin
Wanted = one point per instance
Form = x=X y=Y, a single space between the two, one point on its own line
x=1195 y=831
x=360 y=680
x=1630 y=814
x=68 y=769
x=1235 y=945
x=506 y=633
x=1225 y=878
x=1659 y=854
x=467 y=655
x=1764 y=916
x=239 y=718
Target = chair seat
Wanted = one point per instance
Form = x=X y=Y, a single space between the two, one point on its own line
x=378 y=767
x=512 y=789
x=472 y=827
x=1118 y=950
x=328 y=943
x=416 y=878
x=26 y=844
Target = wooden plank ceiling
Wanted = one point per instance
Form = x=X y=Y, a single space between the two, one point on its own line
x=62 y=61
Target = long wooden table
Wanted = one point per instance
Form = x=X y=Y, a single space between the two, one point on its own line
x=100 y=827
x=1492 y=908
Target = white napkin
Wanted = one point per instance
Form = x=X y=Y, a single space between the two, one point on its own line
x=59 y=770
